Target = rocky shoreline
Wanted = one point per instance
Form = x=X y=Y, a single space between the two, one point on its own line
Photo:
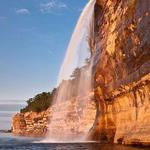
x=30 y=124
x=39 y=124
x=6 y=131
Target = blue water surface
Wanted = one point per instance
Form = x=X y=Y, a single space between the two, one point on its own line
x=10 y=142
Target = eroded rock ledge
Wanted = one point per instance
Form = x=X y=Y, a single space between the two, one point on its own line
x=124 y=118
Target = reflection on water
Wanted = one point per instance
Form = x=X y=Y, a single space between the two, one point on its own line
x=9 y=142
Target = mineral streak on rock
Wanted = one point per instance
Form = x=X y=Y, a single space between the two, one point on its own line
x=122 y=79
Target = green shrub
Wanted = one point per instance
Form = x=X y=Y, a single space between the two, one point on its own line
x=40 y=102
x=43 y=101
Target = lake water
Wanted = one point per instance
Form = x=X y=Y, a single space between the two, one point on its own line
x=7 y=110
x=10 y=142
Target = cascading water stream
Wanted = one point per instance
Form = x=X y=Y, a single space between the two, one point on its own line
x=74 y=92
x=79 y=49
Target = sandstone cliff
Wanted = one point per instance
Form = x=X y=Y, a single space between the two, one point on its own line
x=122 y=76
x=122 y=79
x=78 y=121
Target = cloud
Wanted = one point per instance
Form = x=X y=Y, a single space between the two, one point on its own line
x=23 y=11
x=53 y=6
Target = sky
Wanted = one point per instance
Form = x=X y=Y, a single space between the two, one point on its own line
x=34 y=35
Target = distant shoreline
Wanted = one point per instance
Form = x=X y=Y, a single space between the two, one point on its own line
x=6 y=131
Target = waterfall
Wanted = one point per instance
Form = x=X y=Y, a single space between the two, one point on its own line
x=78 y=49
x=69 y=119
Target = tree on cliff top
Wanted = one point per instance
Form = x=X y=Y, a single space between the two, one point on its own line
x=40 y=102
x=43 y=101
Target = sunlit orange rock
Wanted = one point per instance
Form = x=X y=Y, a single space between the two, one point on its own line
x=122 y=80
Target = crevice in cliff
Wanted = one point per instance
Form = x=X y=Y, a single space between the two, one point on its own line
x=125 y=89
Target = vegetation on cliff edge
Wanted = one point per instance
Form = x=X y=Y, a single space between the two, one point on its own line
x=43 y=101
x=40 y=102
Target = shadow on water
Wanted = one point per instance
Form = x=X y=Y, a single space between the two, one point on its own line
x=63 y=146
x=9 y=142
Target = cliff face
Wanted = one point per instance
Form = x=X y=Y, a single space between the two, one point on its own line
x=31 y=123
x=122 y=79
x=69 y=119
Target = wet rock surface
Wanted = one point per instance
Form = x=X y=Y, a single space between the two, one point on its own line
x=122 y=79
